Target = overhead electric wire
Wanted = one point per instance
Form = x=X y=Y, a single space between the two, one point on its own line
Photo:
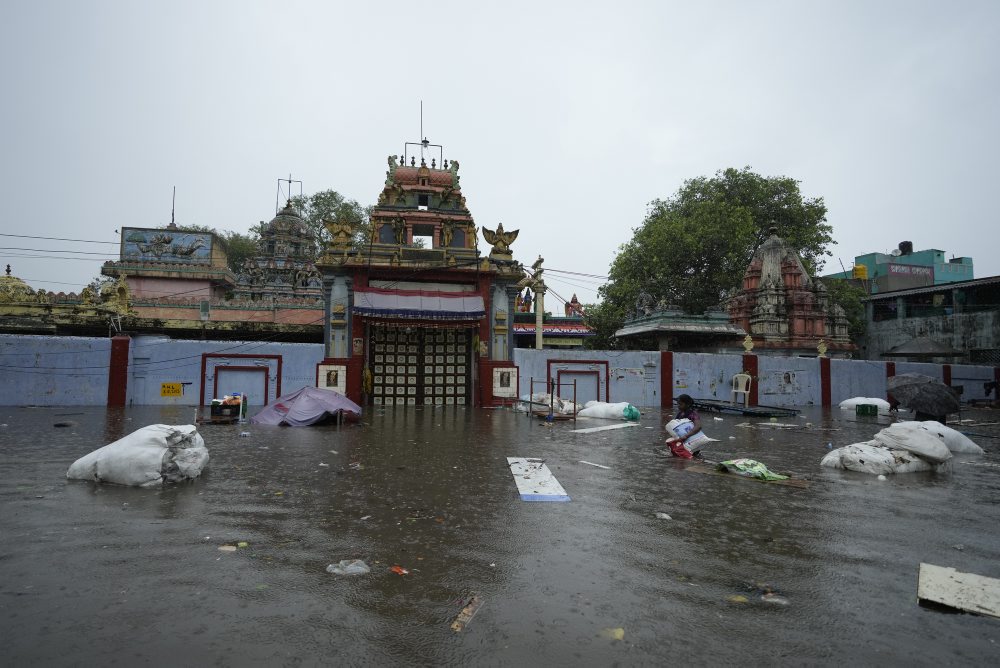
x=82 y=241
x=577 y=273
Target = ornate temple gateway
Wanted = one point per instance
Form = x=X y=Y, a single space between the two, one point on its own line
x=414 y=315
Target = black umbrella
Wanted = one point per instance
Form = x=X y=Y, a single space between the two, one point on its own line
x=923 y=394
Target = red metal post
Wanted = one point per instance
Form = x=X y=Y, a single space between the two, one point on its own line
x=824 y=382
x=118 y=371
x=750 y=367
x=666 y=379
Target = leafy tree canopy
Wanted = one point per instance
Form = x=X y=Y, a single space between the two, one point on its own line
x=692 y=249
x=331 y=205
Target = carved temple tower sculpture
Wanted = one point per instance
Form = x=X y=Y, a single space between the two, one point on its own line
x=783 y=308
x=284 y=265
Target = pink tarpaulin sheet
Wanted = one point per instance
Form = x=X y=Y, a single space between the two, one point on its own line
x=306 y=406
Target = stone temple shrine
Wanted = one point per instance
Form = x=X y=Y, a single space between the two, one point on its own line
x=783 y=309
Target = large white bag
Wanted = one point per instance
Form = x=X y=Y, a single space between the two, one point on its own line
x=854 y=402
x=870 y=457
x=923 y=443
x=145 y=458
x=956 y=441
x=600 y=409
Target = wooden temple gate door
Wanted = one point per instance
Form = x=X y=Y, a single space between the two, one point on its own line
x=424 y=366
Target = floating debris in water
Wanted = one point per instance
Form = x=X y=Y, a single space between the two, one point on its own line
x=467 y=613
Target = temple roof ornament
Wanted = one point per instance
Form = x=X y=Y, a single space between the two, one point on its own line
x=13 y=290
x=500 y=241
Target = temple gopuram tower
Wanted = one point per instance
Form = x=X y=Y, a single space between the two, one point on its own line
x=783 y=309
x=284 y=267
x=414 y=314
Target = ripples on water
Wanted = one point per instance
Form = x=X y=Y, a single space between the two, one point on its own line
x=91 y=573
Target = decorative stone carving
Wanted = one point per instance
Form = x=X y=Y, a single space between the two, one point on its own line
x=341 y=233
x=500 y=240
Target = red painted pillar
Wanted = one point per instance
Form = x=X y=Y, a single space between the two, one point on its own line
x=890 y=371
x=750 y=367
x=824 y=382
x=666 y=379
x=946 y=374
x=118 y=370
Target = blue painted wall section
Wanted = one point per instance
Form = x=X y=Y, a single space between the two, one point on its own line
x=73 y=371
x=54 y=370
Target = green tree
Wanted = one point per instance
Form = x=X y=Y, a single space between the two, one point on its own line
x=692 y=249
x=848 y=295
x=331 y=205
x=240 y=247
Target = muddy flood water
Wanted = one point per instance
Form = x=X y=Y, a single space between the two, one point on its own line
x=103 y=575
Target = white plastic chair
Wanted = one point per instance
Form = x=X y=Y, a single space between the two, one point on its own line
x=741 y=385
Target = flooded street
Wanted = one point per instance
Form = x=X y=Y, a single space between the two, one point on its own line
x=110 y=575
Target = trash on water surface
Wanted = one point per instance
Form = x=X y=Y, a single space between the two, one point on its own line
x=322 y=464
x=774 y=599
x=366 y=517
x=750 y=468
x=399 y=570
x=227 y=548
x=468 y=612
x=882 y=477
x=717 y=419
x=738 y=598
x=663 y=516
x=242 y=543
x=348 y=567
x=613 y=634
x=244 y=434
x=969 y=592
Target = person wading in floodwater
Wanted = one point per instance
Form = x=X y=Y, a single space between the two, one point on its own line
x=678 y=444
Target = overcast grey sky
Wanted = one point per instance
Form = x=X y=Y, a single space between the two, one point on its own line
x=567 y=117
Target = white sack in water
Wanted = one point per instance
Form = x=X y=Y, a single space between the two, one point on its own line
x=558 y=404
x=680 y=428
x=956 y=441
x=870 y=457
x=920 y=442
x=600 y=409
x=147 y=457
x=853 y=403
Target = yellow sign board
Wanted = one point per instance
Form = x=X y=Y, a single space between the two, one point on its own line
x=171 y=390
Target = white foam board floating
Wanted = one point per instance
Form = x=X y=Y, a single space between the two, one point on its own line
x=963 y=591
x=590 y=430
x=535 y=481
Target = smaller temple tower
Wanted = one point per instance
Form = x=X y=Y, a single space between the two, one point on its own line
x=284 y=265
x=783 y=309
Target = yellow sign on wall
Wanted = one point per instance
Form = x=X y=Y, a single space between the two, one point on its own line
x=171 y=390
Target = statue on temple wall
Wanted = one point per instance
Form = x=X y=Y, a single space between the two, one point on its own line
x=399 y=230
x=574 y=307
x=644 y=304
x=500 y=240
x=341 y=233
x=525 y=305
